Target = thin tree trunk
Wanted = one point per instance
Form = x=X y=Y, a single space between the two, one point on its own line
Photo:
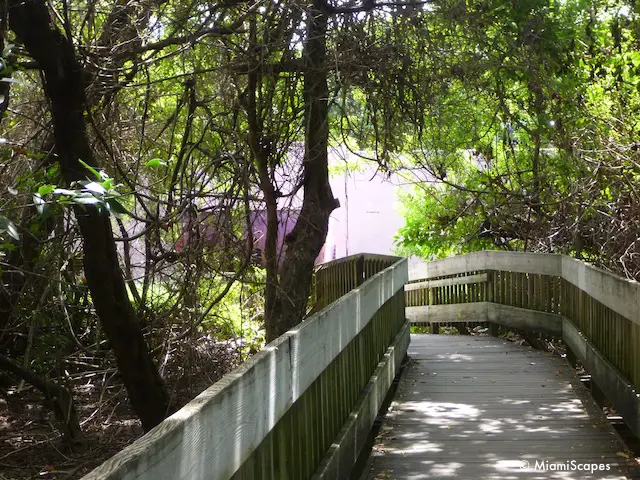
x=119 y=36
x=309 y=234
x=64 y=86
x=261 y=158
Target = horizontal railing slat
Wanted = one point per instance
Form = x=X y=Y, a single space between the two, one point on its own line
x=446 y=282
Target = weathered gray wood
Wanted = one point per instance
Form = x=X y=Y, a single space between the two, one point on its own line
x=524 y=262
x=212 y=436
x=488 y=435
x=488 y=312
x=339 y=461
x=525 y=319
x=458 y=312
x=617 y=293
x=481 y=278
x=619 y=391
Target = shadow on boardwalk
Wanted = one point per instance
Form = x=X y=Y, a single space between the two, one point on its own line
x=481 y=407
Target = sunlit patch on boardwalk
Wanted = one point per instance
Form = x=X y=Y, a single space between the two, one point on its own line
x=479 y=407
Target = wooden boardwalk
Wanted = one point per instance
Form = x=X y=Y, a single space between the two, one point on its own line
x=480 y=407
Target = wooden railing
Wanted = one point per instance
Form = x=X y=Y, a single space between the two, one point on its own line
x=338 y=277
x=597 y=314
x=301 y=408
x=468 y=287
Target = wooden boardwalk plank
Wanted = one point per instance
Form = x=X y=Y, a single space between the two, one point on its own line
x=480 y=407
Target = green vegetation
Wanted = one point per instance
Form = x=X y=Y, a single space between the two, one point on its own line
x=532 y=136
x=148 y=149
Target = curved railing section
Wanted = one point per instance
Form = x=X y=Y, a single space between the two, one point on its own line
x=596 y=313
x=301 y=408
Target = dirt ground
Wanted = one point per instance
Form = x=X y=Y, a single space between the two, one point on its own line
x=31 y=446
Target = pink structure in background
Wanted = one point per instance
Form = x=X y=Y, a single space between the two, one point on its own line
x=207 y=229
x=368 y=217
x=369 y=214
x=366 y=221
x=286 y=221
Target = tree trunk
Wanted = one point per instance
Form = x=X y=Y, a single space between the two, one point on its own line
x=309 y=234
x=64 y=86
x=261 y=159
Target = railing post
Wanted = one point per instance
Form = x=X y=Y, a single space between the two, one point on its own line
x=571 y=357
x=360 y=273
x=494 y=329
x=491 y=284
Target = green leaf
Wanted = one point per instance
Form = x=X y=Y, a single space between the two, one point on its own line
x=91 y=169
x=64 y=191
x=85 y=199
x=8 y=226
x=95 y=187
x=107 y=184
x=7 y=50
x=116 y=207
x=156 y=162
x=39 y=203
x=46 y=190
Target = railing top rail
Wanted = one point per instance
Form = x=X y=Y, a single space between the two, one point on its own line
x=357 y=256
x=339 y=261
x=376 y=256
x=525 y=262
x=619 y=294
